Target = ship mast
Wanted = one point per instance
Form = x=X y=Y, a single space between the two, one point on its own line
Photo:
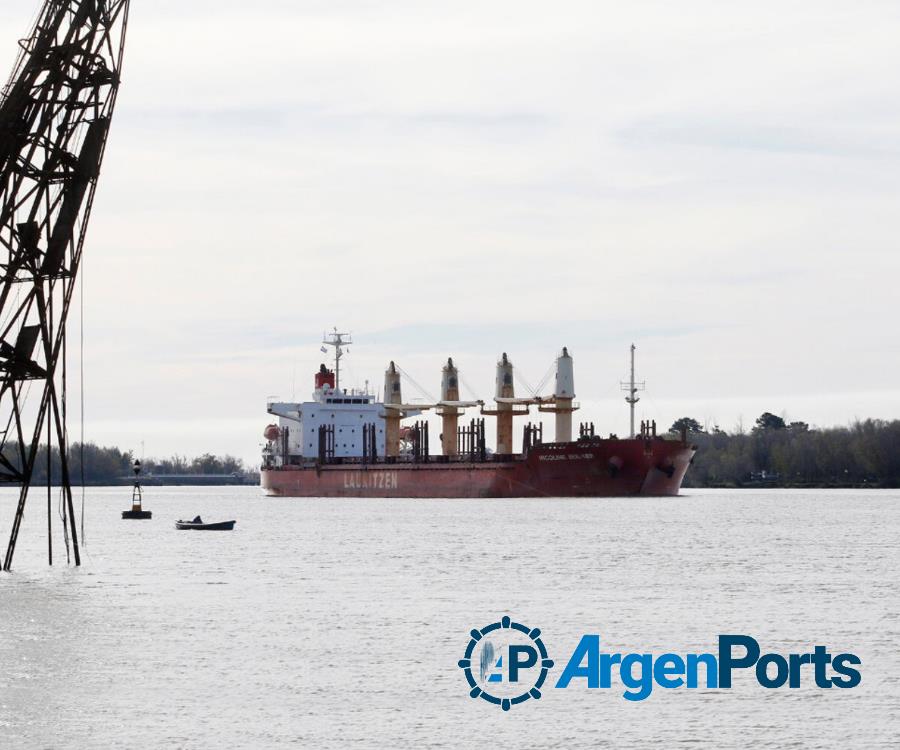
x=55 y=113
x=337 y=340
x=632 y=388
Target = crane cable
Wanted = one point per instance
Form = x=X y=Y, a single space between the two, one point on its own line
x=524 y=383
x=469 y=388
x=81 y=392
x=431 y=399
x=547 y=376
x=535 y=392
x=63 y=448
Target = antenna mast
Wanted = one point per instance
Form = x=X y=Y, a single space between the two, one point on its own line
x=55 y=113
x=632 y=388
x=337 y=340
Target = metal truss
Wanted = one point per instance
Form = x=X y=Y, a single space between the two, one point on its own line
x=55 y=113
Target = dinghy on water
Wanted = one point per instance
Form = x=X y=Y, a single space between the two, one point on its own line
x=198 y=525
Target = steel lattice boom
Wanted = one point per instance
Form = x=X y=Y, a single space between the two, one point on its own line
x=54 y=120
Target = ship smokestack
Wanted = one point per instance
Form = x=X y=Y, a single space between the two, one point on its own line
x=505 y=389
x=392 y=395
x=449 y=414
x=564 y=393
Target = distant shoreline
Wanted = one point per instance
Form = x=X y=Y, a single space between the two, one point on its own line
x=158 y=482
x=790 y=486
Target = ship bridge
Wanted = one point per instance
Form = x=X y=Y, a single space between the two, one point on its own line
x=346 y=414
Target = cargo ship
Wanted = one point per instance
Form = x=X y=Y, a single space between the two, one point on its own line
x=346 y=443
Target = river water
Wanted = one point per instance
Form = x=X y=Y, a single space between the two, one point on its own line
x=339 y=623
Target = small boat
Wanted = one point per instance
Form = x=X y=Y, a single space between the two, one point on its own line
x=198 y=525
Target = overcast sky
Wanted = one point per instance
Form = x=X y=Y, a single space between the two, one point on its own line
x=717 y=182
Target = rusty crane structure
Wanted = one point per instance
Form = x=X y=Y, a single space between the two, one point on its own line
x=55 y=113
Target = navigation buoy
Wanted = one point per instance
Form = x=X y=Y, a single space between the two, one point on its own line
x=137 y=497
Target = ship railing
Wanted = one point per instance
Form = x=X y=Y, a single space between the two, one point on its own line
x=298 y=462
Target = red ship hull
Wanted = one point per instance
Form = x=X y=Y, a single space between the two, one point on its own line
x=599 y=468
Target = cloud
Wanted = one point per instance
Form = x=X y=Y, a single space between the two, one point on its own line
x=746 y=135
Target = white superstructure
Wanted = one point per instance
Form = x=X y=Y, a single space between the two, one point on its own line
x=347 y=410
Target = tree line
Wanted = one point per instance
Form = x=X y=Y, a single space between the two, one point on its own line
x=777 y=453
x=109 y=465
x=773 y=453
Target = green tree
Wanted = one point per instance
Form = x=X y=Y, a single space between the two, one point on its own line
x=686 y=423
x=769 y=421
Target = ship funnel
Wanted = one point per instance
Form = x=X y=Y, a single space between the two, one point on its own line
x=564 y=393
x=392 y=395
x=449 y=414
x=324 y=378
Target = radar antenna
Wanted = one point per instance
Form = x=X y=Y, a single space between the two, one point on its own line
x=55 y=113
x=337 y=340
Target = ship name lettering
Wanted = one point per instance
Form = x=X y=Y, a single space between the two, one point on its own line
x=380 y=480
